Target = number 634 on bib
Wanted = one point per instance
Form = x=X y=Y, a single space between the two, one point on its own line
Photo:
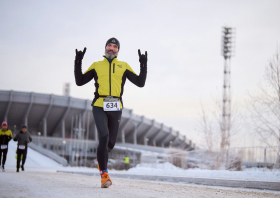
x=111 y=104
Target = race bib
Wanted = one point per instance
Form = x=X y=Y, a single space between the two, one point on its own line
x=112 y=104
x=4 y=146
x=21 y=147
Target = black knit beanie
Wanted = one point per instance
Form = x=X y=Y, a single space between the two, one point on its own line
x=113 y=40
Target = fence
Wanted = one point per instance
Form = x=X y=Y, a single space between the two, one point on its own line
x=231 y=159
x=49 y=154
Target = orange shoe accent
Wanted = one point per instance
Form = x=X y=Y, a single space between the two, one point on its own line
x=98 y=167
x=105 y=180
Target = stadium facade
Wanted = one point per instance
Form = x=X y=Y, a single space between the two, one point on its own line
x=63 y=124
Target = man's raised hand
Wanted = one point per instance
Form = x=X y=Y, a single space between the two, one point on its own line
x=80 y=55
x=143 y=59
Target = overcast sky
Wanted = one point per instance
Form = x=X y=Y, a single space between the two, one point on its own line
x=183 y=40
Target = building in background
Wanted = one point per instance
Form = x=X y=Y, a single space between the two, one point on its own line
x=65 y=125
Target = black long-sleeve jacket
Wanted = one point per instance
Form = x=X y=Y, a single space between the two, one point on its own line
x=23 y=138
x=109 y=78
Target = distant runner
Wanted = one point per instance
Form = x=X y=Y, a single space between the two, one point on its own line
x=126 y=162
x=23 y=138
x=5 y=136
x=110 y=75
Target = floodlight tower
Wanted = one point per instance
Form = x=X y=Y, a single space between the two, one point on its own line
x=227 y=52
x=66 y=89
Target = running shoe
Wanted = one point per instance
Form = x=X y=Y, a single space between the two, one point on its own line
x=105 y=180
x=22 y=167
x=3 y=168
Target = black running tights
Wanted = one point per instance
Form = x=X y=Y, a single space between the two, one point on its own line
x=107 y=124
x=19 y=153
x=4 y=151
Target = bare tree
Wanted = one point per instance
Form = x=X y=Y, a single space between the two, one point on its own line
x=210 y=135
x=227 y=130
x=264 y=106
x=211 y=128
x=207 y=130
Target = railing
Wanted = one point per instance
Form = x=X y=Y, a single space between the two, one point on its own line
x=49 y=154
x=230 y=159
x=76 y=151
x=83 y=152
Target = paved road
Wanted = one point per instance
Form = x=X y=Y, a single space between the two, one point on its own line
x=44 y=184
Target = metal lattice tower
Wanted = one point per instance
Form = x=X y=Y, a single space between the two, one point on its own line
x=66 y=89
x=227 y=52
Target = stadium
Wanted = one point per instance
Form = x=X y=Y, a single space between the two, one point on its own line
x=65 y=126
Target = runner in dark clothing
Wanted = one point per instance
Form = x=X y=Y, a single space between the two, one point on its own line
x=23 y=138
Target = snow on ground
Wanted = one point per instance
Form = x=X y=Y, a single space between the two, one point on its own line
x=34 y=159
x=169 y=169
x=38 y=162
x=59 y=185
x=44 y=181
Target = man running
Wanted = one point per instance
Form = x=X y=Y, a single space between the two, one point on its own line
x=5 y=136
x=23 y=138
x=110 y=75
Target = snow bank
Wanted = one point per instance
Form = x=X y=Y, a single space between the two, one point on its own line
x=169 y=169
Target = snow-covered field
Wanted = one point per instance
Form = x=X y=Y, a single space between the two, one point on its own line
x=169 y=169
x=42 y=180
x=37 y=162
x=46 y=185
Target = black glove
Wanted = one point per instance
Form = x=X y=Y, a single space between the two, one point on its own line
x=143 y=59
x=80 y=55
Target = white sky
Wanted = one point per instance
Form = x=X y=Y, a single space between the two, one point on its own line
x=183 y=39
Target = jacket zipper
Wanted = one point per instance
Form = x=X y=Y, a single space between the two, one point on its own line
x=110 y=78
x=114 y=68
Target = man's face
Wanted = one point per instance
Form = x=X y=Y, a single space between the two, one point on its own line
x=4 y=128
x=112 y=48
x=23 y=130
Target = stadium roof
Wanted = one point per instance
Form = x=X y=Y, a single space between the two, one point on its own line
x=56 y=116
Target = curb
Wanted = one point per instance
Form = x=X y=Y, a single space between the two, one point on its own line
x=235 y=183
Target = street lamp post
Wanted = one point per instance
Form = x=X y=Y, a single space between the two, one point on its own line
x=15 y=126
x=39 y=134
x=77 y=158
x=63 y=146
